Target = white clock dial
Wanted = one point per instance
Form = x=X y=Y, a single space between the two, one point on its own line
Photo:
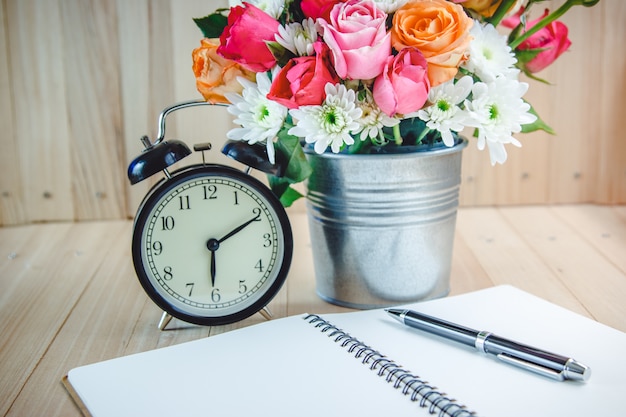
x=212 y=244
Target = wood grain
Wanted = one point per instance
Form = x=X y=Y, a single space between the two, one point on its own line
x=82 y=81
x=69 y=295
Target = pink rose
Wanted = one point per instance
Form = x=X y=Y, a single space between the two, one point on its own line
x=356 y=35
x=403 y=86
x=318 y=8
x=552 y=38
x=243 y=39
x=302 y=80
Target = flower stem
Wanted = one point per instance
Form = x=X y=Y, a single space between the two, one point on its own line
x=396 y=134
x=549 y=19
x=501 y=11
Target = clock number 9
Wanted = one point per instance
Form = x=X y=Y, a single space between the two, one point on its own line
x=157 y=248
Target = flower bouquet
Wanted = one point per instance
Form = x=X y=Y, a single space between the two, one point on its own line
x=358 y=75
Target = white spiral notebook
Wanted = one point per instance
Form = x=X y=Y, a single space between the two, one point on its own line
x=333 y=365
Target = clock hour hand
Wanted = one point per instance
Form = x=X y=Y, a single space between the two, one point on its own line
x=239 y=228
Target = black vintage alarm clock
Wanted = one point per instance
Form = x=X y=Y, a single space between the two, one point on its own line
x=211 y=244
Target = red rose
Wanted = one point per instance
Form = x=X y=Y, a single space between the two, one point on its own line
x=552 y=39
x=318 y=8
x=243 y=39
x=302 y=80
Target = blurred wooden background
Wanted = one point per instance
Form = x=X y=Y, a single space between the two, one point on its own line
x=82 y=80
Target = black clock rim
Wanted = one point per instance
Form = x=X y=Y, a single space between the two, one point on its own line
x=166 y=185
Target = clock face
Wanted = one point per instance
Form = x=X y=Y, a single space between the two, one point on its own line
x=211 y=245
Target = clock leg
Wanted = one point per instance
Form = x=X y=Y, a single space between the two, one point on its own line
x=266 y=313
x=165 y=319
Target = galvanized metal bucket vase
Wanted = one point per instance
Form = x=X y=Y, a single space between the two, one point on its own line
x=382 y=226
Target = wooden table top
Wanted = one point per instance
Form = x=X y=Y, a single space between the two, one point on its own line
x=69 y=295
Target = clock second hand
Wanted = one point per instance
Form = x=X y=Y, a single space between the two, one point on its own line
x=214 y=244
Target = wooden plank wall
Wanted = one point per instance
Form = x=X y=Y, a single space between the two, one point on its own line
x=82 y=80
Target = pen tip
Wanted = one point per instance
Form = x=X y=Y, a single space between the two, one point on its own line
x=395 y=313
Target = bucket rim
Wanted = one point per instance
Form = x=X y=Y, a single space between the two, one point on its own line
x=458 y=147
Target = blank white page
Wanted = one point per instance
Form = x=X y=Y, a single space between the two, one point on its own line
x=288 y=367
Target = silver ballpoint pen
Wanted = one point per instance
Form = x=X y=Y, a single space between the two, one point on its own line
x=532 y=359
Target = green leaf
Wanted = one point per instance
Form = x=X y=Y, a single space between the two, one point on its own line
x=282 y=189
x=212 y=25
x=526 y=55
x=538 y=124
x=291 y=153
x=281 y=54
x=534 y=77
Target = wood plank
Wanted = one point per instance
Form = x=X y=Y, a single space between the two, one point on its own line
x=11 y=199
x=508 y=259
x=467 y=273
x=92 y=86
x=100 y=321
x=49 y=274
x=14 y=257
x=584 y=270
x=608 y=117
x=41 y=119
x=602 y=226
x=145 y=45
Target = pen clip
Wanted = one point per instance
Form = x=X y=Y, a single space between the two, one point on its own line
x=530 y=366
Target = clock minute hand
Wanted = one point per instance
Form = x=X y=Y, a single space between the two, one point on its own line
x=213 y=245
x=239 y=228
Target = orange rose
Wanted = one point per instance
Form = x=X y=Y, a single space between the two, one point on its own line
x=439 y=29
x=216 y=75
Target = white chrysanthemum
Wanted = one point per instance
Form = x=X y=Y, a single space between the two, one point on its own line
x=273 y=8
x=373 y=120
x=445 y=115
x=489 y=54
x=259 y=117
x=498 y=111
x=298 y=37
x=389 y=6
x=331 y=124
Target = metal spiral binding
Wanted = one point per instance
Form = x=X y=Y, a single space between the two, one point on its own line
x=420 y=391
